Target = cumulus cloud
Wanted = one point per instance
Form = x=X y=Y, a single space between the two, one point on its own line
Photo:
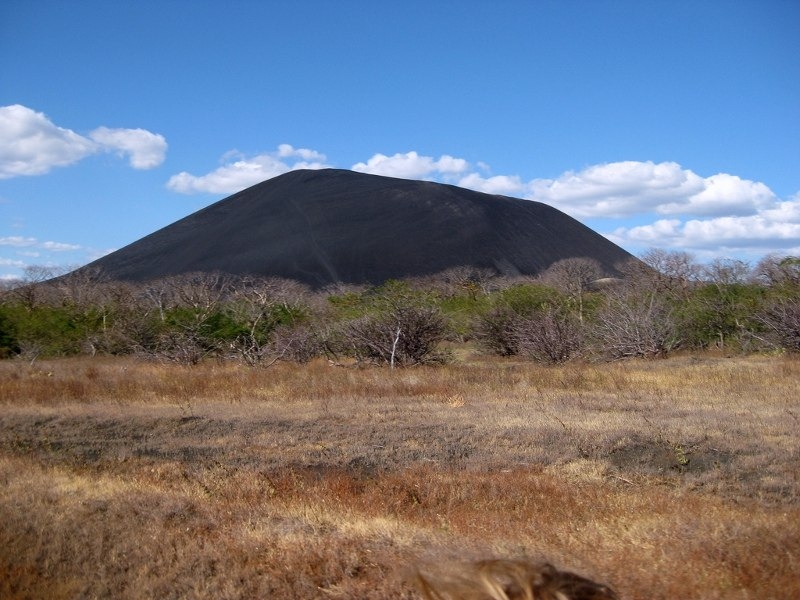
x=718 y=213
x=145 y=150
x=59 y=246
x=289 y=151
x=507 y=185
x=721 y=194
x=412 y=166
x=31 y=144
x=17 y=241
x=617 y=189
x=238 y=171
x=235 y=175
x=773 y=228
x=10 y=262
x=626 y=188
x=17 y=252
x=446 y=169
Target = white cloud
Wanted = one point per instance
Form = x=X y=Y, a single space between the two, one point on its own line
x=31 y=144
x=289 y=151
x=626 y=188
x=616 y=189
x=773 y=228
x=238 y=171
x=18 y=252
x=507 y=185
x=9 y=262
x=722 y=194
x=412 y=166
x=450 y=165
x=59 y=246
x=16 y=241
x=145 y=150
x=235 y=176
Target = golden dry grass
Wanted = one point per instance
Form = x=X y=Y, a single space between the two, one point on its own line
x=664 y=479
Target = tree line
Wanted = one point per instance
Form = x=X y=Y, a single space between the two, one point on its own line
x=664 y=302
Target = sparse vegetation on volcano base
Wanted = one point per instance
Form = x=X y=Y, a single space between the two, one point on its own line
x=675 y=478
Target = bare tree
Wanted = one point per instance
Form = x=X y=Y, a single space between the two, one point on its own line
x=634 y=324
x=264 y=307
x=34 y=287
x=127 y=322
x=549 y=336
x=671 y=274
x=299 y=344
x=573 y=277
x=726 y=272
x=781 y=318
x=201 y=292
x=781 y=313
x=185 y=305
x=81 y=287
x=404 y=336
x=469 y=280
x=496 y=331
x=775 y=270
x=673 y=265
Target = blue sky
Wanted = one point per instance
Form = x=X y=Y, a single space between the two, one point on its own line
x=671 y=124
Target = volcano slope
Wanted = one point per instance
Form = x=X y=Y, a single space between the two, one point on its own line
x=335 y=226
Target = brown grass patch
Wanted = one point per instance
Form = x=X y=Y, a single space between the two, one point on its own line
x=663 y=479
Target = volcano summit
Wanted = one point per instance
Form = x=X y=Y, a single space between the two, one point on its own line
x=328 y=226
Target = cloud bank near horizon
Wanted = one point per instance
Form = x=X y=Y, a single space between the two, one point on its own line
x=18 y=241
x=691 y=212
x=31 y=144
x=30 y=247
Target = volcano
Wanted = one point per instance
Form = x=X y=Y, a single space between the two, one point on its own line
x=330 y=226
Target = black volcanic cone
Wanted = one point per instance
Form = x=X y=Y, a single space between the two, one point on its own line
x=327 y=226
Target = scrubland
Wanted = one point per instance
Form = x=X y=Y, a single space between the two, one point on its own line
x=675 y=478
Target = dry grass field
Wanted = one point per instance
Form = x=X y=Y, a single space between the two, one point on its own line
x=666 y=479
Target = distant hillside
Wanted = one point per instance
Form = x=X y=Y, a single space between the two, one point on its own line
x=326 y=226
